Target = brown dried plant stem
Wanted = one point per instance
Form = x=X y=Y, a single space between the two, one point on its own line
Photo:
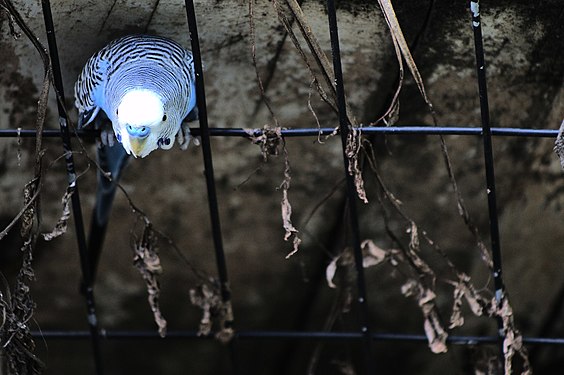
x=269 y=141
x=15 y=335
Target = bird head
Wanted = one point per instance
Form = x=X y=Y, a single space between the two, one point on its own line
x=141 y=123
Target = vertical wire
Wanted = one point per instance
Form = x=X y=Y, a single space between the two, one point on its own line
x=344 y=125
x=73 y=187
x=209 y=173
x=489 y=162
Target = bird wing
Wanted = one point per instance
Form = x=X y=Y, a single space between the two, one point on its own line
x=89 y=88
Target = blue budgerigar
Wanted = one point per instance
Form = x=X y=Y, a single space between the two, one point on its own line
x=144 y=86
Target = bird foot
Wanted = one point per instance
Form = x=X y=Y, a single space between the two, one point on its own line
x=107 y=136
x=183 y=137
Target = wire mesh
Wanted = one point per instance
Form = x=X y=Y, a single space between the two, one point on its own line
x=365 y=334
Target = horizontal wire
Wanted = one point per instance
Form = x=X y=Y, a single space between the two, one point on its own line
x=308 y=132
x=309 y=335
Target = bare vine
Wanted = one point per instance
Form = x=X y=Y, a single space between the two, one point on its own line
x=269 y=141
x=18 y=307
x=420 y=285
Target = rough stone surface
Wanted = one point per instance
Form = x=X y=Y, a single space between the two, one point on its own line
x=525 y=68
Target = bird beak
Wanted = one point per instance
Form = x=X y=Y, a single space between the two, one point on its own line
x=137 y=145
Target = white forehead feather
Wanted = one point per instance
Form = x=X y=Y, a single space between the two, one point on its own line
x=141 y=107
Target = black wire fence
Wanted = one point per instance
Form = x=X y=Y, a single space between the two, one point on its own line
x=365 y=335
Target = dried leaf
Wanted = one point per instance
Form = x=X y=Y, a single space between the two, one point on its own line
x=420 y=265
x=30 y=210
x=205 y=299
x=209 y=300
x=414 y=243
x=269 y=140
x=474 y=300
x=513 y=340
x=146 y=260
x=346 y=261
x=427 y=300
x=409 y=288
x=456 y=318
x=330 y=272
x=463 y=289
x=352 y=150
x=287 y=215
x=372 y=254
x=30 y=202
x=484 y=252
x=436 y=336
x=295 y=246
x=289 y=228
x=61 y=226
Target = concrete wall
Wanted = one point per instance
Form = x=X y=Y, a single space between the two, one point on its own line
x=525 y=67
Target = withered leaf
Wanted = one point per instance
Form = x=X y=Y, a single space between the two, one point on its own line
x=463 y=289
x=456 y=318
x=209 y=300
x=414 y=237
x=352 y=150
x=287 y=216
x=372 y=254
x=205 y=299
x=436 y=336
x=61 y=226
x=147 y=262
x=330 y=272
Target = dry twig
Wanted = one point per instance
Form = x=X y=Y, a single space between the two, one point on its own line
x=15 y=335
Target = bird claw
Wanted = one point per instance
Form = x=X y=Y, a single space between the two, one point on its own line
x=107 y=136
x=183 y=137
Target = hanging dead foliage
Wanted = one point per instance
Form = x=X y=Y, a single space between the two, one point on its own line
x=290 y=230
x=206 y=296
x=513 y=340
x=209 y=300
x=425 y=297
x=323 y=81
x=61 y=226
x=416 y=286
x=18 y=308
x=146 y=260
x=268 y=139
x=17 y=311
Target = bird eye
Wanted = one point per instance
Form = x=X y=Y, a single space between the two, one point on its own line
x=116 y=112
x=164 y=118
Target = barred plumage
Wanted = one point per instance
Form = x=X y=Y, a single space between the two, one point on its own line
x=151 y=77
